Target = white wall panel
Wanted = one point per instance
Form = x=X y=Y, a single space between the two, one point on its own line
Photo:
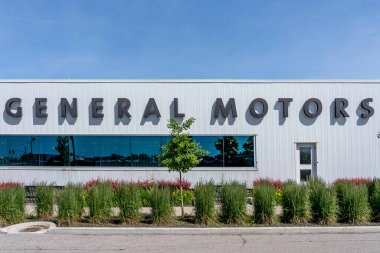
x=344 y=148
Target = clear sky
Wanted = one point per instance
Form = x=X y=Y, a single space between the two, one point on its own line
x=158 y=39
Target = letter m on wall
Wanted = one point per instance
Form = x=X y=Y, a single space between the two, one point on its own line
x=230 y=108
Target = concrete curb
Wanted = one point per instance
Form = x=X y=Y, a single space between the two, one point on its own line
x=214 y=231
x=15 y=229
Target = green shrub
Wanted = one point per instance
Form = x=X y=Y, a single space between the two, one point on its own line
x=374 y=198
x=205 y=197
x=44 y=200
x=353 y=202
x=100 y=197
x=233 y=197
x=145 y=197
x=12 y=201
x=323 y=202
x=162 y=210
x=264 y=201
x=129 y=202
x=188 y=197
x=278 y=197
x=70 y=204
x=81 y=196
x=295 y=203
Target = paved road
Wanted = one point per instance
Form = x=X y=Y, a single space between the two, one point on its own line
x=346 y=243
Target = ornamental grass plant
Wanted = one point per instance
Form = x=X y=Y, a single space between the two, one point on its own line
x=12 y=199
x=100 y=199
x=353 y=202
x=295 y=203
x=44 y=200
x=175 y=198
x=70 y=204
x=374 y=198
x=323 y=202
x=145 y=196
x=205 y=198
x=264 y=201
x=233 y=197
x=162 y=210
x=129 y=202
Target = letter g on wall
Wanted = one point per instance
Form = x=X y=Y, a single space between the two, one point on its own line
x=8 y=108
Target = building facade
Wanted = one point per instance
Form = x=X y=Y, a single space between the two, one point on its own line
x=74 y=130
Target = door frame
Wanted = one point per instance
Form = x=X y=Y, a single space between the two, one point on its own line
x=314 y=161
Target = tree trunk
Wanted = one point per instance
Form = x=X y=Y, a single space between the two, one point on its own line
x=180 y=187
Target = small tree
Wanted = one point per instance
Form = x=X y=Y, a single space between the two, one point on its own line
x=181 y=153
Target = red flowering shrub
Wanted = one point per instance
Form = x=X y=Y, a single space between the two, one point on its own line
x=9 y=184
x=143 y=184
x=171 y=184
x=91 y=182
x=185 y=184
x=356 y=181
x=115 y=184
x=275 y=183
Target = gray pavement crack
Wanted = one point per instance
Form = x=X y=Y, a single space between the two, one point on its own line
x=244 y=241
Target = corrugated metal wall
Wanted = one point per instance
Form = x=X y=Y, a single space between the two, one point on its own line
x=347 y=148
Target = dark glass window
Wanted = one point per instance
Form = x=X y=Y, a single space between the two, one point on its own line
x=238 y=151
x=211 y=144
x=85 y=150
x=20 y=150
x=50 y=150
x=305 y=175
x=305 y=155
x=164 y=140
x=4 y=159
x=124 y=151
x=115 y=151
x=145 y=151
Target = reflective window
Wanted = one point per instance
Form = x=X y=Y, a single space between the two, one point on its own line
x=305 y=175
x=123 y=151
x=85 y=151
x=212 y=145
x=50 y=150
x=164 y=140
x=145 y=151
x=20 y=150
x=238 y=151
x=4 y=151
x=305 y=155
x=115 y=151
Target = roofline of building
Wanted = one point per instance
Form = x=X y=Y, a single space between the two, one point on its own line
x=187 y=81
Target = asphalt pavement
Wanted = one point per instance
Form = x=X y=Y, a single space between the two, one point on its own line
x=292 y=240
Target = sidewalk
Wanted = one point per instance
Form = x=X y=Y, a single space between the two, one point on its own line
x=214 y=231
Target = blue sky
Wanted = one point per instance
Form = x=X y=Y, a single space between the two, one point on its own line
x=162 y=39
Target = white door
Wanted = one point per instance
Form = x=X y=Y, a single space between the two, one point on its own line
x=306 y=161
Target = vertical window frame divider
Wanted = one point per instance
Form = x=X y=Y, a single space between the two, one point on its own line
x=130 y=150
x=100 y=150
x=224 y=153
x=8 y=151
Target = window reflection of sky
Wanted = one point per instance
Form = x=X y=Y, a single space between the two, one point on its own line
x=208 y=143
x=115 y=150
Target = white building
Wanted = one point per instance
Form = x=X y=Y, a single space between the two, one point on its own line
x=73 y=130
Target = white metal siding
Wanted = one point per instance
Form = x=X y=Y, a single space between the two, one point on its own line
x=351 y=149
